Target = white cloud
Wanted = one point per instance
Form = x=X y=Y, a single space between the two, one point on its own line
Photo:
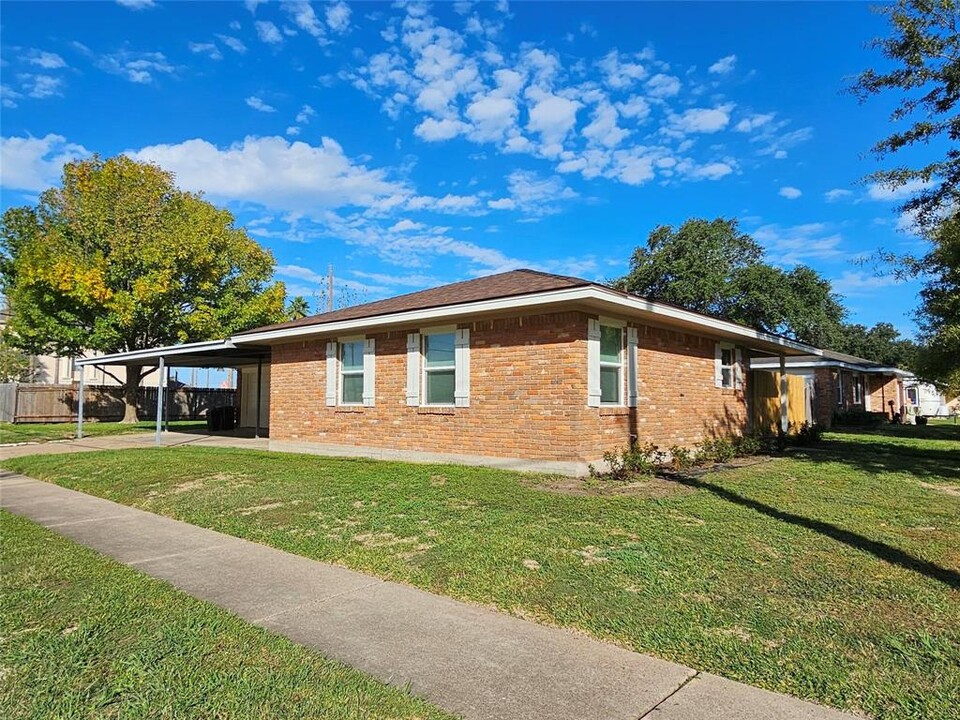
x=790 y=193
x=46 y=60
x=34 y=164
x=289 y=176
x=40 y=86
x=306 y=112
x=338 y=17
x=406 y=226
x=635 y=108
x=533 y=195
x=137 y=67
x=137 y=4
x=702 y=120
x=492 y=116
x=618 y=73
x=208 y=49
x=9 y=96
x=754 y=122
x=711 y=171
x=258 y=104
x=416 y=281
x=603 y=130
x=663 y=86
x=553 y=117
x=433 y=130
x=233 y=43
x=268 y=32
x=302 y=13
x=852 y=283
x=723 y=66
x=799 y=243
x=836 y=194
x=888 y=194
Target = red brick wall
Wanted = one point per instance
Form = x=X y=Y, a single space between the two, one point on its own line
x=884 y=388
x=528 y=395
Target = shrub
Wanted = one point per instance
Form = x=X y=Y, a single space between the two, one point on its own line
x=807 y=434
x=682 y=458
x=859 y=418
x=719 y=450
x=747 y=445
x=624 y=464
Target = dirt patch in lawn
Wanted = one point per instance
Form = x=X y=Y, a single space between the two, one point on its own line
x=953 y=490
x=652 y=487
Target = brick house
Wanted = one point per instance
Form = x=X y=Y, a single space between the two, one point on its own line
x=839 y=383
x=520 y=369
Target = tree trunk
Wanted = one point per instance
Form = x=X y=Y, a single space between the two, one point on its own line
x=130 y=390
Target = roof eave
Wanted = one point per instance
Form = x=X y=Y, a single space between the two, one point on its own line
x=597 y=295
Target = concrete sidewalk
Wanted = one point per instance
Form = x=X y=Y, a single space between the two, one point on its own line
x=465 y=659
x=128 y=441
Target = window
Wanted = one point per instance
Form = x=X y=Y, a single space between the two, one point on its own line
x=611 y=365
x=726 y=365
x=351 y=372
x=838 y=387
x=857 y=389
x=439 y=368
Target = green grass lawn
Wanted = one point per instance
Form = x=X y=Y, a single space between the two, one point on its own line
x=45 y=432
x=86 y=637
x=832 y=575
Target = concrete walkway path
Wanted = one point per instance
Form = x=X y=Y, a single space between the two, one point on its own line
x=127 y=441
x=465 y=659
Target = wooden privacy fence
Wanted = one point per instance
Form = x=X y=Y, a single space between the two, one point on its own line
x=765 y=400
x=58 y=403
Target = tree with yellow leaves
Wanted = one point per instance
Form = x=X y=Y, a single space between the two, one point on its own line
x=118 y=258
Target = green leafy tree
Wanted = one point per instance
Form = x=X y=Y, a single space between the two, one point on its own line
x=939 y=313
x=711 y=267
x=297 y=308
x=118 y=258
x=14 y=363
x=924 y=55
x=881 y=343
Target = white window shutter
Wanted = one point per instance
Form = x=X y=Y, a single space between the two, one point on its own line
x=632 y=343
x=331 y=373
x=593 y=363
x=369 y=370
x=413 y=369
x=461 y=395
x=738 y=369
x=717 y=365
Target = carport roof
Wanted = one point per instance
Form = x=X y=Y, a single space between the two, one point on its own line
x=211 y=353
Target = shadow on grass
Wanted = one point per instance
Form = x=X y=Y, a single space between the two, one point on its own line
x=869 y=450
x=880 y=550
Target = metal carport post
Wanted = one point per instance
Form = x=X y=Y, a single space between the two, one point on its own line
x=160 y=369
x=83 y=371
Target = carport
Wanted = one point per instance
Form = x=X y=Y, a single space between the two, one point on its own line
x=209 y=354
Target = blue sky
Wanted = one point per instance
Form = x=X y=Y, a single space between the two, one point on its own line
x=412 y=145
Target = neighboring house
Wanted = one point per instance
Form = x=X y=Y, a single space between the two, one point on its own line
x=924 y=399
x=835 y=383
x=522 y=365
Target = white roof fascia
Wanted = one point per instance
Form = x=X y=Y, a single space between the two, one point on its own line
x=765 y=363
x=156 y=353
x=627 y=303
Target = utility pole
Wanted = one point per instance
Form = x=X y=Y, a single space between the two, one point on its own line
x=329 y=288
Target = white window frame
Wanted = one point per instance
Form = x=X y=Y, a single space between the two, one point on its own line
x=858 y=389
x=341 y=373
x=838 y=387
x=734 y=372
x=424 y=333
x=619 y=365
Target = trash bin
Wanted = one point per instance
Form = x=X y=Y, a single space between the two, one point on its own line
x=228 y=419
x=214 y=419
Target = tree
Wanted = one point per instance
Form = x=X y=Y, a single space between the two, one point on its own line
x=925 y=52
x=881 y=343
x=939 y=313
x=297 y=308
x=118 y=258
x=14 y=363
x=711 y=267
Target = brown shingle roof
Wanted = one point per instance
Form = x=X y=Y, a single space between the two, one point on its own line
x=514 y=282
